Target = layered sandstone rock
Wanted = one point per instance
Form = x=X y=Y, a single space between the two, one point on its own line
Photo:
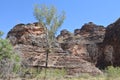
x=112 y=42
x=91 y=32
x=30 y=42
x=84 y=42
x=91 y=45
x=26 y=34
x=109 y=49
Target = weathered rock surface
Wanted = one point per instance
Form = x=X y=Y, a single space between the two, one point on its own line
x=91 y=32
x=30 y=41
x=109 y=49
x=84 y=42
x=92 y=45
x=27 y=34
x=112 y=43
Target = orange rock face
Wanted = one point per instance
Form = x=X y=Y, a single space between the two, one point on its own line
x=69 y=53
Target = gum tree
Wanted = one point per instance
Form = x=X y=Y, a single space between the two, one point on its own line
x=49 y=18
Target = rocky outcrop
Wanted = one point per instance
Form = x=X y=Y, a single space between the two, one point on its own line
x=84 y=42
x=109 y=49
x=91 y=32
x=27 y=34
x=29 y=40
x=92 y=45
x=112 y=42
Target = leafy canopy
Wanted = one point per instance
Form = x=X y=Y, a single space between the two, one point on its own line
x=49 y=17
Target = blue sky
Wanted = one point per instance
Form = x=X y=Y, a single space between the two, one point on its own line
x=78 y=12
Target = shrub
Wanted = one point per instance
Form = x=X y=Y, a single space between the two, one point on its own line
x=9 y=61
x=112 y=72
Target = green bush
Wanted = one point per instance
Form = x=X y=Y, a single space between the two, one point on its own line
x=9 y=61
x=112 y=72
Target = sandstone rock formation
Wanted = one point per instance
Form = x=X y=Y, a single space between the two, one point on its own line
x=94 y=43
x=91 y=32
x=84 y=42
x=109 y=49
x=79 y=52
x=112 y=39
x=69 y=52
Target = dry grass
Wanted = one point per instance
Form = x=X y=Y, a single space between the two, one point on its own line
x=111 y=73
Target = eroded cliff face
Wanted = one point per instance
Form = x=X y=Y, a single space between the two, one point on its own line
x=24 y=34
x=92 y=45
x=112 y=42
x=78 y=52
x=85 y=42
x=70 y=52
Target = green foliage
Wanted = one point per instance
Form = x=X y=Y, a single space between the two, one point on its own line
x=51 y=22
x=52 y=74
x=9 y=61
x=1 y=33
x=5 y=49
x=49 y=18
x=17 y=65
x=113 y=72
